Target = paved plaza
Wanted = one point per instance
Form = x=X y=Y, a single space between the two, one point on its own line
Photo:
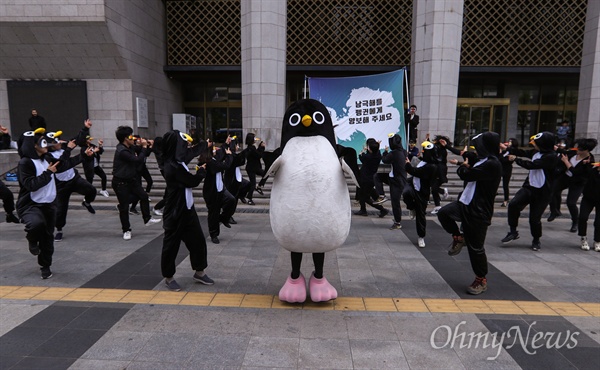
x=107 y=307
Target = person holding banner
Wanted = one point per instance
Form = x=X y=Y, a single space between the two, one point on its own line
x=412 y=121
x=416 y=195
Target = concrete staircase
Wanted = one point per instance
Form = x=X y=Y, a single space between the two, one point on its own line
x=454 y=185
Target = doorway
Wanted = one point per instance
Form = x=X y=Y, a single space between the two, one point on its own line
x=474 y=116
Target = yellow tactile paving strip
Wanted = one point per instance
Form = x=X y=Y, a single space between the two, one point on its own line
x=478 y=306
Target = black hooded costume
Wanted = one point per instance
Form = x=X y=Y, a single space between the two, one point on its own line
x=180 y=220
x=416 y=195
x=397 y=176
x=234 y=182
x=475 y=207
x=219 y=201
x=537 y=188
x=36 y=204
x=590 y=200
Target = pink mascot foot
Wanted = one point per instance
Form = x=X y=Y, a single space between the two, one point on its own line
x=294 y=290
x=321 y=290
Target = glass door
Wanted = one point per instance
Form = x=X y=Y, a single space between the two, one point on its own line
x=474 y=116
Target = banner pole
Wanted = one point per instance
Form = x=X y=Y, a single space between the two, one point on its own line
x=305 y=81
x=408 y=102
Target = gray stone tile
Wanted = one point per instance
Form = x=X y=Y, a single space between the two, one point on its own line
x=171 y=348
x=272 y=352
x=117 y=346
x=325 y=354
x=377 y=354
x=421 y=355
x=84 y=364
x=278 y=323
x=219 y=351
x=15 y=314
x=369 y=327
x=323 y=325
x=477 y=358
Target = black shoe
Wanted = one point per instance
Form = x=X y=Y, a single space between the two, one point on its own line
x=250 y=202
x=383 y=213
x=58 y=236
x=552 y=217
x=536 y=245
x=12 y=218
x=243 y=200
x=573 y=227
x=88 y=207
x=456 y=246
x=133 y=211
x=510 y=237
x=215 y=240
x=46 y=273
x=361 y=213
x=204 y=279
x=34 y=248
x=232 y=221
x=226 y=224
x=259 y=190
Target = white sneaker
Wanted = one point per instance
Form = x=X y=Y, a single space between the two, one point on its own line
x=104 y=193
x=436 y=210
x=127 y=235
x=597 y=246
x=421 y=243
x=149 y=199
x=157 y=212
x=584 y=244
x=412 y=214
x=153 y=221
x=445 y=195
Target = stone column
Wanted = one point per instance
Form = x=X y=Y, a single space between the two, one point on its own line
x=435 y=64
x=588 y=106
x=263 y=68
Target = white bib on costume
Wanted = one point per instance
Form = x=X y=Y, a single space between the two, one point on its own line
x=392 y=172
x=467 y=194
x=65 y=175
x=537 y=177
x=46 y=194
x=96 y=162
x=416 y=180
x=238 y=174
x=574 y=162
x=189 y=197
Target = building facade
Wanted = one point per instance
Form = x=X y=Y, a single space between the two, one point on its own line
x=511 y=66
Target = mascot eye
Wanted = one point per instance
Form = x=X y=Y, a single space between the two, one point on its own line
x=43 y=143
x=29 y=133
x=476 y=136
x=427 y=146
x=538 y=136
x=319 y=118
x=182 y=136
x=295 y=119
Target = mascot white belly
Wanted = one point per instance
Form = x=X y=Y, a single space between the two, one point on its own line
x=310 y=204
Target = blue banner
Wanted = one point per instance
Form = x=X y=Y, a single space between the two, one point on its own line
x=363 y=107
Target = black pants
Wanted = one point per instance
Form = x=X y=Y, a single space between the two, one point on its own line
x=220 y=209
x=188 y=231
x=39 y=220
x=587 y=205
x=125 y=190
x=161 y=203
x=63 y=194
x=364 y=197
x=89 y=176
x=474 y=234
x=8 y=200
x=436 y=184
x=414 y=201
x=506 y=174
x=252 y=179
x=396 y=189
x=575 y=190
x=147 y=177
x=379 y=179
x=537 y=199
x=238 y=190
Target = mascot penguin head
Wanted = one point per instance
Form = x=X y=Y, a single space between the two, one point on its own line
x=487 y=144
x=428 y=152
x=54 y=142
x=395 y=141
x=175 y=146
x=30 y=140
x=544 y=141
x=307 y=117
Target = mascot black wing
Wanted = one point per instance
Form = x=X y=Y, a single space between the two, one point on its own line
x=310 y=204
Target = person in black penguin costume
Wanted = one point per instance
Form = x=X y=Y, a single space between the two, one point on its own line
x=590 y=200
x=537 y=188
x=416 y=195
x=68 y=180
x=91 y=164
x=475 y=207
x=572 y=174
x=397 y=177
x=218 y=199
x=370 y=159
x=234 y=182
x=253 y=165
x=36 y=205
x=180 y=219
x=442 y=145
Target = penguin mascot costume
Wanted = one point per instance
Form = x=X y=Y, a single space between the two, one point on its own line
x=180 y=220
x=475 y=206
x=37 y=194
x=537 y=188
x=396 y=157
x=310 y=204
